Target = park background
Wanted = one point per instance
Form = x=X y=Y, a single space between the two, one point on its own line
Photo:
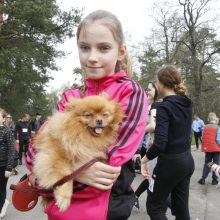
x=183 y=32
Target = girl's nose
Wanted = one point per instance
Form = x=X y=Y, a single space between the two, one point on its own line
x=93 y=56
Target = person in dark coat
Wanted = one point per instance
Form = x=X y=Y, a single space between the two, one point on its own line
x=172 y=146
x=6 y=161
x=36 y=123
x=22 y=135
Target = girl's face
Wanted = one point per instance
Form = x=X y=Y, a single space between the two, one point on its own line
x=151 y=91
x=1 y=119
x=98 y=51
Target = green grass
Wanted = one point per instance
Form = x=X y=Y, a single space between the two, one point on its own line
x=193 y=139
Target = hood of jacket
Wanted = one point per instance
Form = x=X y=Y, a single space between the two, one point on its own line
x=183 y=103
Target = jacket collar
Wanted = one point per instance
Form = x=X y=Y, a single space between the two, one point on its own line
x=104 y=82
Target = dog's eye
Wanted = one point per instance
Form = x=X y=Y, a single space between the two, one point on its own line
x=88 y=114
x=106 y=114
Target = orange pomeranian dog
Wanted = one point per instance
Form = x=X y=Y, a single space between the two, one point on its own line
x=86 y=128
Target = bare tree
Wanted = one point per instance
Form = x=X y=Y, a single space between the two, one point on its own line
x=198 y=37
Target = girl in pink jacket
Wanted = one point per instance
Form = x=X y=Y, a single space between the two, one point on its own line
x=104 y=190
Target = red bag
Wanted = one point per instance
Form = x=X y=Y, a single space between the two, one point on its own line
x=24 y=196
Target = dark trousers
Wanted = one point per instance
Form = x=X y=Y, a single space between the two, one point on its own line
x=23 y=147
x=172 y=176
x=210 y=157
x=3 y=184
x=198 y=136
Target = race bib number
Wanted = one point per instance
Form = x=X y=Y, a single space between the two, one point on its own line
x=24 y=130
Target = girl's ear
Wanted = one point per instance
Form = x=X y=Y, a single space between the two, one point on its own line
x=72 y=104
x=122 y=52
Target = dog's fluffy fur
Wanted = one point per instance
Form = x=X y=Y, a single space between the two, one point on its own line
x=86 y=128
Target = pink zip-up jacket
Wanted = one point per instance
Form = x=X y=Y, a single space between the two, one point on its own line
x=89 y=203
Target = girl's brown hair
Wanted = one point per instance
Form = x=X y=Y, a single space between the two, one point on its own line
x=170 y=77
x=111 y=21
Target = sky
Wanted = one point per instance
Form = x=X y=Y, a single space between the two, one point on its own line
x=135 y=19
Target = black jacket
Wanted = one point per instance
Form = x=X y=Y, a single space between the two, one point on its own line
x=173 y=126
x=7 y=148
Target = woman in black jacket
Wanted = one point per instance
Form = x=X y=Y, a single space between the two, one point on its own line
x=6 y=160
x=172 y=144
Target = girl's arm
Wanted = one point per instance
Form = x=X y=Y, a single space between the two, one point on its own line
x=218 y=136
x=161 y=134
x=99 y=175
x=152 y=121
x=132 y=130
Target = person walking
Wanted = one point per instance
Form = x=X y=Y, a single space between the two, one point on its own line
x=152 y=93
x=197 y=127
x=172 y=146
x=210 y=147
x=11 y=125
x=6 y=161
x=22 y=135
x=36 y=123
x=105 y=190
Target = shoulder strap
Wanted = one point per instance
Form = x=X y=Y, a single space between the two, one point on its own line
x=59 y=182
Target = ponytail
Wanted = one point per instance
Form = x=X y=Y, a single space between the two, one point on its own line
x=180 y=89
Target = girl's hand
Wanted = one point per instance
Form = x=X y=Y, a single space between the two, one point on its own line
x=144 y=168
x=136 y=156
x=99 y=175
x=8 y=173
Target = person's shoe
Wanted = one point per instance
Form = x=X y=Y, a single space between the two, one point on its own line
x=214 y=182
x=136 y=204
x=202 y=181
x=4 y=208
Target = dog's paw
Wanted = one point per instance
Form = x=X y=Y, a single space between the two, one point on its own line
x=63 y=203
x=63 y=197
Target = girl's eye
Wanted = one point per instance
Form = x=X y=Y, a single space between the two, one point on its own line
x=84 y=48
x=104 y=48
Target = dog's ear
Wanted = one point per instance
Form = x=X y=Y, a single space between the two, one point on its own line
x=72 y=104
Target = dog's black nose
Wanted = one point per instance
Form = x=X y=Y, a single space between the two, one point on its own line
x=99 y=122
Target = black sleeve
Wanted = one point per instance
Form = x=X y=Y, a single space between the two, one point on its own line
x=161 y=133
x=155 y=105
x=11 y=150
